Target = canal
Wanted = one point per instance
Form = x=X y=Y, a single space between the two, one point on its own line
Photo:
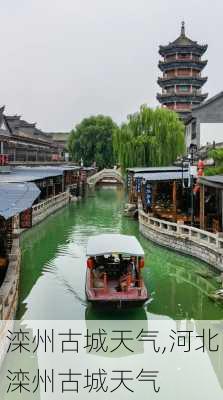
x=53 y=267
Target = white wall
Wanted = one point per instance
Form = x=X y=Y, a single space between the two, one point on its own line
x=188 y=136
x=210 y=133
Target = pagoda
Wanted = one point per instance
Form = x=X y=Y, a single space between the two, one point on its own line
x=181 y=82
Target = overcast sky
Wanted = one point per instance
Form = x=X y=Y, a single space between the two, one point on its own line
x=62 y=60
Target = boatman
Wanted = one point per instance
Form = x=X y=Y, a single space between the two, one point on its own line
x=129 y=276
x=98 y=275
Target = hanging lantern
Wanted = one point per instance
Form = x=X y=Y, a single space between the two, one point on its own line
x=200 y=166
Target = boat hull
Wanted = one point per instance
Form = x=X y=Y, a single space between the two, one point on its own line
x=99 y=297
x=117 y=303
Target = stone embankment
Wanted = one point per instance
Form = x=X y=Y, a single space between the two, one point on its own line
x=203 y=245
x=9 y=292
x=41 y=210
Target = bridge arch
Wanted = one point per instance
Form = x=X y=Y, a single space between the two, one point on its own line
x=105 y=174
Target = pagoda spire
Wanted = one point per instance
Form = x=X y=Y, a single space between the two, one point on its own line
x=183 y=28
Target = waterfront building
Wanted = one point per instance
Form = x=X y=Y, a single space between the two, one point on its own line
x=56 y=185
x=211 y=203
x=61 y=139
x=135 y=175
x=182 y=81
x=204 y=127
x=21 y=141
x=15 y=200
x=166 y=196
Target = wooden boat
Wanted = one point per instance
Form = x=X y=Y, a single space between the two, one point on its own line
x=114 y=267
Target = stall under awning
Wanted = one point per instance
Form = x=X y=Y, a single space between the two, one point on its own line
x=16 y=197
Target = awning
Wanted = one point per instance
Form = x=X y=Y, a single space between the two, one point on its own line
x=215 y=181
x=29 y=174
x=163 y=176
x=138 y=170
x=16 y=197
x=114 y=243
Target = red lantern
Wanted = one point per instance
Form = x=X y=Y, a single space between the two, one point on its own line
x=200 y=164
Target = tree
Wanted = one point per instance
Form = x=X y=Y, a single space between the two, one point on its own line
x=149 y=138
x=217 y=168
x=91 y=140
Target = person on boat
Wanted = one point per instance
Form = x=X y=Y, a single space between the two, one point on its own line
x=100 y=260
x=129 y=276
x=132 y=267
x=98 y=275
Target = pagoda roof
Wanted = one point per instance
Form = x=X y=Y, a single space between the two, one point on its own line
x=183 y=41
x=181 y=97
x=178 y=80
x=167 y=65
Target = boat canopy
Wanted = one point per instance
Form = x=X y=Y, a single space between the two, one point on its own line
x=114 y=244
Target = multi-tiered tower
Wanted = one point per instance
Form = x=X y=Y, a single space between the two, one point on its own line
x=181 y=82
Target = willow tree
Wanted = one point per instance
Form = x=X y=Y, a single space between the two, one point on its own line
x=149 y=138
x=91 y=141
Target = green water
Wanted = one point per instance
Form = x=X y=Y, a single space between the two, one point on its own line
x=53 y=267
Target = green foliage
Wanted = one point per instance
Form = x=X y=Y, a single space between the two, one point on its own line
x=149 y=138
x=91 y=141
x=213 y=170
x=217 y=155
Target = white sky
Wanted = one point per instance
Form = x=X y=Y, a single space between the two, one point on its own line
x=63 y=60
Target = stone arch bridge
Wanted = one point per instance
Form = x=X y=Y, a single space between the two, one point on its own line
x=106 y=175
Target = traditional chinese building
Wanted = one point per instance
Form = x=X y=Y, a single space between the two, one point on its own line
x=21 y=141
x=204 y=127
x=182 y=81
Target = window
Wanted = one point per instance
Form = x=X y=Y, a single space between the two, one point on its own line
x=184 y=88
x=193 y=130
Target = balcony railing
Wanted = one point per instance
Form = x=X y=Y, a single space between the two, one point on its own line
x=181 y=93
x=179 y=107
x=181 y=58
x=182 y=75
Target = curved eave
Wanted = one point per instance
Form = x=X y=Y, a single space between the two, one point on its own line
x=167 y=65
x=181 y=98
x=198 y=82
x=173 y=48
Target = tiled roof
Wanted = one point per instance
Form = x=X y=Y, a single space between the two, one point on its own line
x=16 y=197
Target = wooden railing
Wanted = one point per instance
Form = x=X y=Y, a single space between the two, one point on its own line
x=211 y=240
